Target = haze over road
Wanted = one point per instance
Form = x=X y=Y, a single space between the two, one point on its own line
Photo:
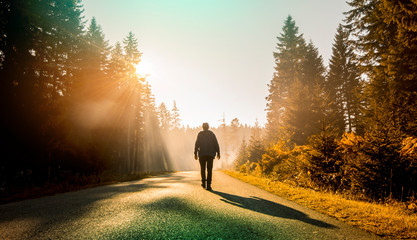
x=171 y=206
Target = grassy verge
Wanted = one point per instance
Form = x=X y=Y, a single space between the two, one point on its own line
x=69 y=186
x=390 y=221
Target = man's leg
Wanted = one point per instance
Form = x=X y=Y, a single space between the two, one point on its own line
x=209 y=172
x=203 y=171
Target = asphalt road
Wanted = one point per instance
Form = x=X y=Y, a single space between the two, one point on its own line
x=172 y=206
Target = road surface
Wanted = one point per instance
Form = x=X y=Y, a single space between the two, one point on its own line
x=172 y=206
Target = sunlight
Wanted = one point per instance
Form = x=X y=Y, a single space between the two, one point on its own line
x=144 y=68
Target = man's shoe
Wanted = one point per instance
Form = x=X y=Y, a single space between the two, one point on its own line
x=203 y=184
x=209 y=188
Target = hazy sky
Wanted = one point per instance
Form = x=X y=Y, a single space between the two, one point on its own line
x=214 y=56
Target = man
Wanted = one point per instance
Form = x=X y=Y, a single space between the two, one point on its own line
x=206 y=148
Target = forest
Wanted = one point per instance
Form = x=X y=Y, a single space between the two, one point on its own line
x=350 y=127
x=75 y=111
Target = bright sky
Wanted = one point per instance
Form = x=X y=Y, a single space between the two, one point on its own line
x=214 y=57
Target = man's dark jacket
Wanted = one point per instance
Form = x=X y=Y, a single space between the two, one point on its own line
x=206 y=144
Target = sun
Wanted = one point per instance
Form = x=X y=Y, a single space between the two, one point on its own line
x=144 y=68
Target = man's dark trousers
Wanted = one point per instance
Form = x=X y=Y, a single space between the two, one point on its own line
x=209 y=161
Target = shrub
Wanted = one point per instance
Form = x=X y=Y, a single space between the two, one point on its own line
x=273 y=156
x=325 y=160
x=379 y=165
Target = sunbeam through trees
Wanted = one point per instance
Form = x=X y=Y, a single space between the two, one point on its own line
x=75 y=111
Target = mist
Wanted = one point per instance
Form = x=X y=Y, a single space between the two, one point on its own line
x=178 y=144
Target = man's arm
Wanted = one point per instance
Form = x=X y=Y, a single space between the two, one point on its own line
x=217 y=146
x=197 y=147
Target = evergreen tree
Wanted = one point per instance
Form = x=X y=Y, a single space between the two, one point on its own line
x=385 y=34
x=65 y=36
x=314 y=77
x=242 y=156
x=133 y=88
x=343 y=86
x=288 y=67
x=304 y=112
x=132 y=54
x=117 y=66
x=165 y=117
x=95 y=55
x=40 y=53
x=234 y=130
x=255 y=146
x=324 y=158
x=67 y=107
x=19 y=94
x=4 y=7
x=175 y=116
x=148 y=100
x=93 y=84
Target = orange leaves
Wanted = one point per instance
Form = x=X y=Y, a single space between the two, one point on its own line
x=409 y=150
x=409 y=147
x=351 y=140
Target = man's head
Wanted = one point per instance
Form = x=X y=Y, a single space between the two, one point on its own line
x=205 y=126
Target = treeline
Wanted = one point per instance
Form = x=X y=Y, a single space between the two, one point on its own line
x=180 y=141
x=72 y=106
x=352 y=127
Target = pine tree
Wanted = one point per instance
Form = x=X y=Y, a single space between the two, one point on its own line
x=66 y=41
x=93 y=85
x=132 y=86
x=314 y=76
x=242 y=156
x=255 y=146
x=304 y=114
x=234 y=131
x=40 y=53
x=19 y=94
x=132 y=53
x=117 y=66
x=385 y=34
x=4 y=7
x=96 y=52
x=165 y=117
x=343 y=86
x=175 y=116
x=287 y=72
x=148 y=100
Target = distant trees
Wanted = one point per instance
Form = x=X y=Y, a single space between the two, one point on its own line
x=241 y=157
x=164 y=116
x=176 y=121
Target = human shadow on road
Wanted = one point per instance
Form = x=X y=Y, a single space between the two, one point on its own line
x=270 y=208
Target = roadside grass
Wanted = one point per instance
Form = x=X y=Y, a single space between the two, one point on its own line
x=70 y=185
x=391 y=221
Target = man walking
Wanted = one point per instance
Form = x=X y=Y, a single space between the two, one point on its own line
x=206 y=148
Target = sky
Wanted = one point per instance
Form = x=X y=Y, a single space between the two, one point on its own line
x=214 y=58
